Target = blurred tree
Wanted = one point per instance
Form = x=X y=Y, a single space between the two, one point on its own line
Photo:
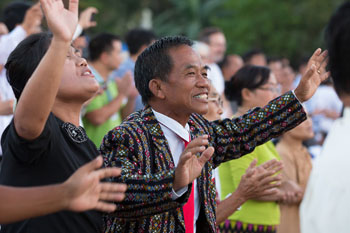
x=186 y=17
x=291 y=28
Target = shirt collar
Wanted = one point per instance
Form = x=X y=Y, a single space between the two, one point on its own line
x=173 y=125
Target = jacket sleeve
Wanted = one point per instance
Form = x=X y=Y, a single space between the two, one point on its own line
x=233 y=138
x=149 y=190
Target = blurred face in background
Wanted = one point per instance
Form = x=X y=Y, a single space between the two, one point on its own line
x=215 y=105
x=303 y=131
x=234 y=63
x=217 y=44
x=260 y=96
x=258 y=60
x=114 y=57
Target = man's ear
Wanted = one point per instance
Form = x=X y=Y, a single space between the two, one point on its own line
x=157 y=88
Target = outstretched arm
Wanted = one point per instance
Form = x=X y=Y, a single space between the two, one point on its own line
x=30 y=117
x=81 y=192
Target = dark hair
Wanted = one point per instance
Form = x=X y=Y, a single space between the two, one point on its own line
x=101 y=43
x=204 y=35
x=24 y=59
x=250 y=77
x=155 y=62
x=250 y=54
x=138 y=37
x=14 y=13
x=337 y=37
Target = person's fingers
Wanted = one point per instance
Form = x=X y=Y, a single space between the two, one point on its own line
x=105 y=207
x=270 y=191
x=325 y=76
x=92 y=165
x=111 y=196
x=251 y=169
x=310 y=72
x=46 y=5
x=322 y=57
x=113 y=187
x=206 y=155
x=197 y=142
x=108 y=172
x=315 y=55
x=74 y=6
x=184 y=158
x=272 y=179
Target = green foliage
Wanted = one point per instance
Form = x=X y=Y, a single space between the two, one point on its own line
x=291 y=28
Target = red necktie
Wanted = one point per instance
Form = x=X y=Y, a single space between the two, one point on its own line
x=188 y=208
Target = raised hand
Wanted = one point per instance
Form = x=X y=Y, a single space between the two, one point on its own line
x=260 y=181
x=32 y=19
x=62 y=22
x=190 y=166
x=85 y=18
x=85 y=191
x=314 y=75
x=125 y=84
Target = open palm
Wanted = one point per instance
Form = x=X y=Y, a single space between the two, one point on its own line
x=314 y=75
x=62 y=22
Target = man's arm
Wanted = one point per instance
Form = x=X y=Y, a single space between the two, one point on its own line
x=81 y=192
x=101 y=115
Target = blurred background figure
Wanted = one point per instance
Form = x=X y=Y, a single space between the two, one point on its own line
x=86 y=21
x=21 y=20
x=229 y=66
x=255 y=57
x=296 y=170
x=116 y=100
x=256 y=182
x=324 y=108
x=251 y=86
x=325 y=207
x=137 y=40
x=216 y=41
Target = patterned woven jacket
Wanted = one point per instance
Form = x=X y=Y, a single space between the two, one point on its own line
x=139 y=146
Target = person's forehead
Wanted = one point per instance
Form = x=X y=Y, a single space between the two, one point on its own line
x=185 y=57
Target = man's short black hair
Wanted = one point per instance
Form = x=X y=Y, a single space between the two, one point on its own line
x=138 y=37
x=24 y=59
x=250 y=54
x=155 y=62
x=14 y=13
x=102 y=42
x=337 y=36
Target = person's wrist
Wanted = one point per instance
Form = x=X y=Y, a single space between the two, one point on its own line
x=299 y=95
x=65 y=195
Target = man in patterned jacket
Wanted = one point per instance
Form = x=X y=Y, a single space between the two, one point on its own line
x=150 y=144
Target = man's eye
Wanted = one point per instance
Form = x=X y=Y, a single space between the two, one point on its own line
x=191 y=73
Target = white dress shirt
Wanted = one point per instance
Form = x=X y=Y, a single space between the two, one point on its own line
x=176 y=134
x=325 y=207
x=10 y=41
x=216 y=77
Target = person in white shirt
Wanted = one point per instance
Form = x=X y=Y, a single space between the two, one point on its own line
x=21 y=19
x=325 y=207
x=216 y=41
